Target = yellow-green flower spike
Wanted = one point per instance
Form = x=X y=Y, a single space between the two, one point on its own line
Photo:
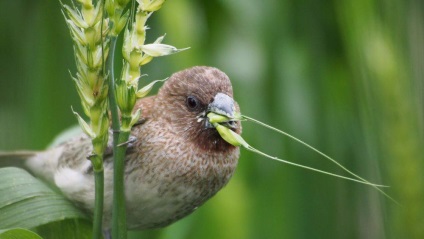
x=85 y=127
x=150 y=5
x=135 y=117
x=136 y=54
x=156 y=49
x=117 y=16
x=75 y=17
x=147 y=88
x=88 y=30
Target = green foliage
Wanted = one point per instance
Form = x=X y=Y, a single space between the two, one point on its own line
x=18 y=233
x=26 y=202
x=66 y=229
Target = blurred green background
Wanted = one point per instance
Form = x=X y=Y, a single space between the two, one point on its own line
x=345 y=76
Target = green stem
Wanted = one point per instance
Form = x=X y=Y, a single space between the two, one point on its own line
x=119 y=220
x=97 y=162
x=119 y=227
x=112 y=100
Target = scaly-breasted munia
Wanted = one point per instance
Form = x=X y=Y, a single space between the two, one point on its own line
x=176 y=163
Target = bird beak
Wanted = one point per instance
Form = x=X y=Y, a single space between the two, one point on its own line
x=224 y=105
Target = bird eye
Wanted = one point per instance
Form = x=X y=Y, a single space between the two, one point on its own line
x=192 y=102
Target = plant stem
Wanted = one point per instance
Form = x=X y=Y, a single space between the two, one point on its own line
x=112 y=101
x=119 y=225
x=119 y=220
x=98 y=201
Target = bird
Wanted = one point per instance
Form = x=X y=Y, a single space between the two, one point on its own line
x=176 y=161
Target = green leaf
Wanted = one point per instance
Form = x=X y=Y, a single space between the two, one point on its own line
x=66 y=229
x=18 y=233
x=27 y=202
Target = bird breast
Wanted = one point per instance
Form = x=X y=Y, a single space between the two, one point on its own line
x=168 y=177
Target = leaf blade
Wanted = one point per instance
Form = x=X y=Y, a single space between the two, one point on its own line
x=27 y=202
x=18 y=233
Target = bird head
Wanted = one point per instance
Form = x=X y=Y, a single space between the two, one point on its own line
x=189 y=95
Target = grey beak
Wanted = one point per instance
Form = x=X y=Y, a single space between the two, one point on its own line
x=222 y=104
